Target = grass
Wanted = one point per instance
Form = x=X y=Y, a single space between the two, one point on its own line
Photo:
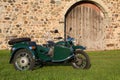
x=105 y=66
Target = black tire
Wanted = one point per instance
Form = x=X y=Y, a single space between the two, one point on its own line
x=17 y=40
x=81 y=60
x=23 y=60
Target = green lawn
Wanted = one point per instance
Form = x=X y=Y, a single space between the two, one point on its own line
x=105 y=66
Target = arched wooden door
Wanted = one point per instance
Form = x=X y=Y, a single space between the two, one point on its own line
x=85 y=22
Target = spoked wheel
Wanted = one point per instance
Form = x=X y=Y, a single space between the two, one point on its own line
x=23 y=60
x=81 y=60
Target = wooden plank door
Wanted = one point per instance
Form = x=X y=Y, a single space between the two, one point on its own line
x=85 y=23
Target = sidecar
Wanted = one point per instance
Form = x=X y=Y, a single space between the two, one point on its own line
x=26 y=53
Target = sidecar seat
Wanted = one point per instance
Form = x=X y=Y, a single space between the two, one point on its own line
x=17 y=40
x=51 y=43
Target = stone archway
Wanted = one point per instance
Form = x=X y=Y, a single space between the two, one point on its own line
x=87 y=21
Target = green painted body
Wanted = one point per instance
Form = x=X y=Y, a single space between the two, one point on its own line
x=62 y=51
x=22 y=45
x=42 y=53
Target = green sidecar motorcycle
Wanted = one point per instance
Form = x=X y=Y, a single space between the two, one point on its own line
x=26 y=54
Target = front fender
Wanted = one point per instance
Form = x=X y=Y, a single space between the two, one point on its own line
x=15 y=49
x=79 y=47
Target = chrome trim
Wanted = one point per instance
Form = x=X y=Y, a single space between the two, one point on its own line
x=63 y=59
x=13 y=49
x=30 y=47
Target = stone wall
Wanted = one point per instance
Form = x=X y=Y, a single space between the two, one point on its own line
x=36 y=18
x=112 y=38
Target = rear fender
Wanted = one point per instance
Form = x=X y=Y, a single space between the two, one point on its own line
x=13 y=52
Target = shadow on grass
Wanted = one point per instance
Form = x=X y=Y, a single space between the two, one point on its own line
x=49 y=64
x=57 y=64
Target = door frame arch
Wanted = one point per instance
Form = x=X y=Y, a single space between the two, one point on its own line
x=104 y=9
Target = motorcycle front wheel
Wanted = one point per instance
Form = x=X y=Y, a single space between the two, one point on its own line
x=81 y=60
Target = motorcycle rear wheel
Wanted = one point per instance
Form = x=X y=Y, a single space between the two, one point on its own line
x=81 y=60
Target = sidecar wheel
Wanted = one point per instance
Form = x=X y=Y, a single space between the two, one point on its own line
x=81 y=60
x=23 y=60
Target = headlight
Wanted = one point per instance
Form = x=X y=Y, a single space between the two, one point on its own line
x=74 y=41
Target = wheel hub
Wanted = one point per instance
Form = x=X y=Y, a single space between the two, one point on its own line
x=79 y=61
x=24 y=61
